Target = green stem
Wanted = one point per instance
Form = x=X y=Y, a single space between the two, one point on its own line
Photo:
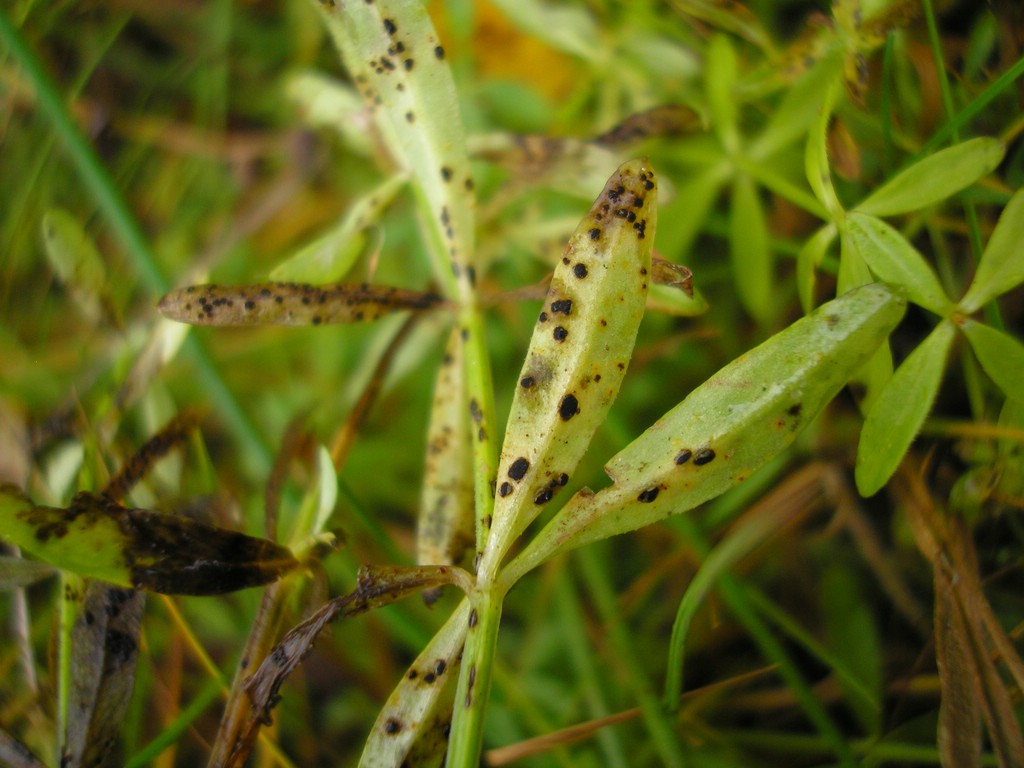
x=466 y=740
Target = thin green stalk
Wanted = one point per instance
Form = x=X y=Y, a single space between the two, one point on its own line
x=886 y=103
x=736 y=596
x=206 y=697
x=474 y=686
x=111 y=202
x=613 y=752
x=656 y=718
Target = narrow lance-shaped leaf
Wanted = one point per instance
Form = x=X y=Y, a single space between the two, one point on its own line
x=749 y=249
x=445 y=527
x=75 y=260
x=935 y=178
x=330 y=256
x=398 y=64
x=581 y=346
x=97 y=537
x=894 y=260
x=1001 y=355
x=732 y=424
x=1001 y=268
x=290 y=303
x=421 y=703
x=900 y=409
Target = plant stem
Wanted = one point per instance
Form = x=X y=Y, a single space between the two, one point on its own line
x=475 y=677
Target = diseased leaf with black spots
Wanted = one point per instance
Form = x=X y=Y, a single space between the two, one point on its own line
x=376 y=587
x=104 y=649
x=98 y=538
x=290 y=303
x=580 y=349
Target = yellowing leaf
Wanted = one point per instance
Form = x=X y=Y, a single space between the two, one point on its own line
x=446 y=504
x=732 y=424
x=579 y=352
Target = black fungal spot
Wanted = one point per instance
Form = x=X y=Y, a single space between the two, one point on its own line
x=389 y=26
x=543 y=496
x=439 y=52
x=472 y=618
x=561 y=480
x=564 y=306
x=446 y=173
x=703 y=456
x=392 y=726
x=413 y=674
x=526 y=382
x=517 y=470
x=429 y=678
x=440 y=667
x=474 y=411
x=684 y=456
x=542 y=317
x=317 y=320
x=595 y=233
x=794 y=410
x=649 y=495
x=569 y=407
x=580 y=270
x=560 y=333
x=410 y=117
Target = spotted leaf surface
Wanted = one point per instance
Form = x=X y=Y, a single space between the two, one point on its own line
x=446 y=504
x=420 y=706
x=398 y=65
x=732 y=424
x=98 y=538
x=581 y=345
x=289 y=303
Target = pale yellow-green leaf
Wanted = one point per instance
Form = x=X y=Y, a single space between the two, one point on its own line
x=732 y=424
x=397 y=62
x=424 y=690
x=445 y=527
x=581 y=346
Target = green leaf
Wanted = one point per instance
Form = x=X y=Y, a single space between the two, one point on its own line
x=749 y=249
x=330 y=256
x=1001 y=355
x=894 y=260
x=421 y=704
x=581 y=346
x=98 y=538
x=720 y=82
x=798 y=109
x=935 y=178
x=816 y=165
x=740 y=418
x=899 y=410
x=75 y=260
x=1002 y=264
